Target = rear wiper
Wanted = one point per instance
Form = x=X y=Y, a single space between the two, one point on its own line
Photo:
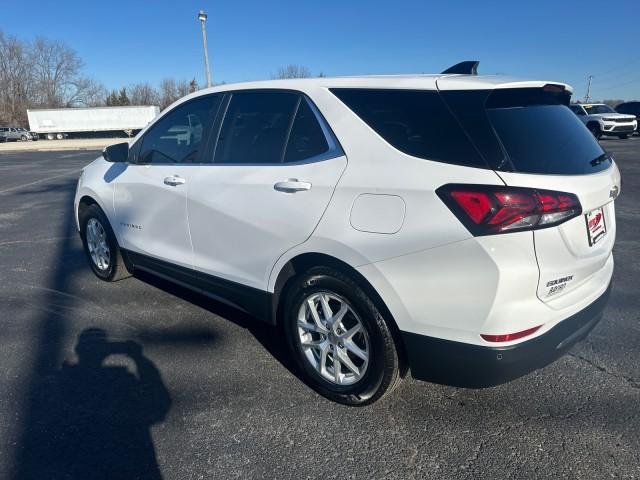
x=598 y=160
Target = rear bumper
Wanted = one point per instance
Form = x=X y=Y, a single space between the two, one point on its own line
x=474 y=366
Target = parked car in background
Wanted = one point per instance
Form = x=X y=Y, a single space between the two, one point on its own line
x=8 y=134
x=630 y=108
x=456 y=225
x=601 y=120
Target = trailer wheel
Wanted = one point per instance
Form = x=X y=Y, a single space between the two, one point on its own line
x=59 y=136
x=50 y=136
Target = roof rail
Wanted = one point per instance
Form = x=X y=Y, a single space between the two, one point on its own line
x=469 y=67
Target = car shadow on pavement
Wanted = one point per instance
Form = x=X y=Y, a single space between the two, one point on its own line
x=272 y=338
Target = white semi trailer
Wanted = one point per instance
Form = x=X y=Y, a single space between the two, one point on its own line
x=59 y=123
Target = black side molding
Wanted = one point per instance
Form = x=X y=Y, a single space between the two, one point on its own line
x=248 y=299
x=469 y=67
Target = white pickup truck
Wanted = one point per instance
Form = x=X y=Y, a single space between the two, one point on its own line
x=601 y=120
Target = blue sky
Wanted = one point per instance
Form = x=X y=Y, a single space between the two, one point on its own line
x=124 y=42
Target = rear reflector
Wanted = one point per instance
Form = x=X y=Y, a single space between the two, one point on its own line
x=508 y=337
x=491 y=209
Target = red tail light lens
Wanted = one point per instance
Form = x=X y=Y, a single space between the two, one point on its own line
x=508 y=337
x=489 y=209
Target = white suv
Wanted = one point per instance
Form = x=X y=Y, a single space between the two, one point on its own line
x=454 y=225
x=601 y=120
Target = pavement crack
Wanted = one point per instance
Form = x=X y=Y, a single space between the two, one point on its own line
x=631 y=381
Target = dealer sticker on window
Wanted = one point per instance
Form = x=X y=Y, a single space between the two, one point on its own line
x=596 y=227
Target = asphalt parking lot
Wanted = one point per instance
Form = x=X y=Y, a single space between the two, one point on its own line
x=214 y=395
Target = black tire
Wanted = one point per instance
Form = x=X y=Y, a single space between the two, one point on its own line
x=594 y=128
x=382 y=374
x=624 y=136
x=116 y=269
x=23 y=138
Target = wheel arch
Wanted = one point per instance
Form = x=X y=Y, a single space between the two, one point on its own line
x=304 y=261
x=88 y=198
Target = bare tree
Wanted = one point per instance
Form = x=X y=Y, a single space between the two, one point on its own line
x=292 y=71
x=15 y=74
x=182 y=88
x=168 y=92
x=56 y=71
x=143 y=94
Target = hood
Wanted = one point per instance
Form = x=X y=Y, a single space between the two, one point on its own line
x=613 y=115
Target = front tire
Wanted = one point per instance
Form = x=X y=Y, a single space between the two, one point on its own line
x=594 y=128
x=339 y=339
x=23 y=138
x=100 y=245
x=623 y=137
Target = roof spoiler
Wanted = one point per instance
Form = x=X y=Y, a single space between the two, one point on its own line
x=469 y=67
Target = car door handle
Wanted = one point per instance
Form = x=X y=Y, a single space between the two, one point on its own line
x=174 y=180
x=292 y=185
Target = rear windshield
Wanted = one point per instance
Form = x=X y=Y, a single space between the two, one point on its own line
x=533 y=131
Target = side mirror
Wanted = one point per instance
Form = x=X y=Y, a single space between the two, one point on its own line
x=118 y=153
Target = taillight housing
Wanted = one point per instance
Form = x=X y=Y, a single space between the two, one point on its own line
x=493 y=209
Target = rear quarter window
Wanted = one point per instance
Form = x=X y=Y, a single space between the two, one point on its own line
x=416 y=122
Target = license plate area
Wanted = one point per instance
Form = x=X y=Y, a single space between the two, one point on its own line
x=596 y=225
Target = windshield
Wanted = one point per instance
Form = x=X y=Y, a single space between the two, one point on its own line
x=595 y=109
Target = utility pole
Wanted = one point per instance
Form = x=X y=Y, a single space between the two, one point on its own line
x=203 y=18
x=587 y=97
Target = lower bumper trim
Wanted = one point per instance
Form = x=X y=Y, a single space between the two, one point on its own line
x=475 y=366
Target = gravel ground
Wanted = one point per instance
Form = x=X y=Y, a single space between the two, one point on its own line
x=214 y=397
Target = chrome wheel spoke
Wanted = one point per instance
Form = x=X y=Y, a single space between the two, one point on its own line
x=326 y=309
x=324 y=351
x=314 y=343
x=337 y=318
x=313 y=310
x=348 y=335
x=344 y=358
x=357 y=351
x=336 y=368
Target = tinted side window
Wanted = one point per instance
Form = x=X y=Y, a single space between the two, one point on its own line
x=179 y=136
x=417 y=123
x=306 y=139
x=256 y=127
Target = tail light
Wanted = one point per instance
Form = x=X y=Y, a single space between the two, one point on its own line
x=489 y=209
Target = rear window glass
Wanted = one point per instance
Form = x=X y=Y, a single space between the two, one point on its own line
x=547 y=139
x=528 y=130
x=417 y=123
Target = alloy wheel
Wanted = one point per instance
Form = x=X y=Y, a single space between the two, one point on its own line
x=97 y=244
x=333 y=339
